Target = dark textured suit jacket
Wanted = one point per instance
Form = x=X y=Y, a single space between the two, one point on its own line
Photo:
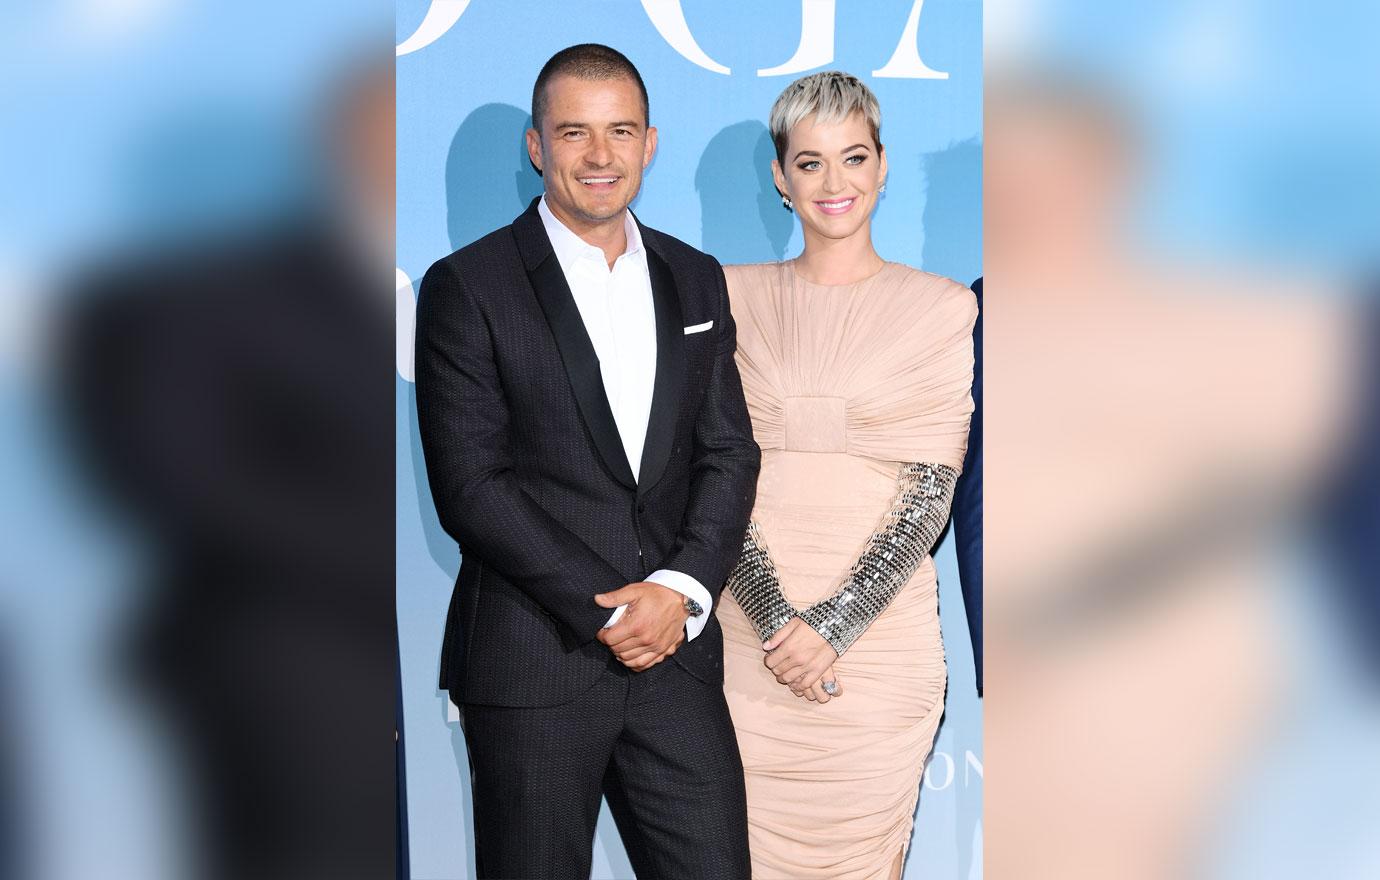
x=528 y=472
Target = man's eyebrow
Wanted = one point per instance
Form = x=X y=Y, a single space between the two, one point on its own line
x=561 y=125
x=628 y=124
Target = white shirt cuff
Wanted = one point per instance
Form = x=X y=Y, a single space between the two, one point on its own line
x=617 y=613
x=687 y=586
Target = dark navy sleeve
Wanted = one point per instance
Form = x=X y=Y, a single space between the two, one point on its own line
x=1351 y=508
x=967 y=506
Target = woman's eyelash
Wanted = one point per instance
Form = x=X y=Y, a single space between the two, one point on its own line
x=806 y=166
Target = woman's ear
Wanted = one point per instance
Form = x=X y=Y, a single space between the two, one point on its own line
x=779 y=178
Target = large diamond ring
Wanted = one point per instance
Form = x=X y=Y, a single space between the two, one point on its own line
x=830 y=687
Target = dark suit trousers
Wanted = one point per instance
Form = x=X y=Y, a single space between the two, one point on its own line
x=659 y=744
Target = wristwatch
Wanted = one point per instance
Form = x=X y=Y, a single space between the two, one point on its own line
x=692 y=608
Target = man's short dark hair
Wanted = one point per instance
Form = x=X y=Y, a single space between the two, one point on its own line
x=589 y=61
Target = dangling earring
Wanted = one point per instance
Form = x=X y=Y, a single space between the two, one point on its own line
x=787 y=203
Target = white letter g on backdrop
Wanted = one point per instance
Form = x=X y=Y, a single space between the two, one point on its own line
x=669 y=20
x=440 y=18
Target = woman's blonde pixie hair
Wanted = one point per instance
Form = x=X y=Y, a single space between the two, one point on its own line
x=832 y=96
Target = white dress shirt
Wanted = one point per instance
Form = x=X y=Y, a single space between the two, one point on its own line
x=620 y=318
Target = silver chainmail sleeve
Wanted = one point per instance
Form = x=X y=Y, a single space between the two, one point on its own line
x=901 y=542
x=757 y=587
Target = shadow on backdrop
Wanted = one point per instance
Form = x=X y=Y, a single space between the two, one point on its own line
x=953 y=211
x=741 y=217
x=489 y=179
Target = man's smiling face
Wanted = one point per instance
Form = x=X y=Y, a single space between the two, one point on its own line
x=593 y=146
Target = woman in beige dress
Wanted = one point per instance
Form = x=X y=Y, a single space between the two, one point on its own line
x=858 y=375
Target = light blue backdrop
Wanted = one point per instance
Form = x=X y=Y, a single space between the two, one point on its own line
x=465 y=72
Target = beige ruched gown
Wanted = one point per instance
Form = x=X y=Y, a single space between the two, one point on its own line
x=844 y=384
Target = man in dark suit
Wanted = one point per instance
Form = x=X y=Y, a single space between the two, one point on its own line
x=588 y=447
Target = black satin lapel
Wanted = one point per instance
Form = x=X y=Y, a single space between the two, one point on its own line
x=670 y=373
x=531 y=238
x=581 y=364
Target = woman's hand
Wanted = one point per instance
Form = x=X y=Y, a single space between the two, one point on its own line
x=817 y=692
x=799 y=657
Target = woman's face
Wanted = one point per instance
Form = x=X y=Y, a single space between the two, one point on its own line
x=832 y=173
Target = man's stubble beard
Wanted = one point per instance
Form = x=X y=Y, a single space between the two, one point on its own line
x=615 y=213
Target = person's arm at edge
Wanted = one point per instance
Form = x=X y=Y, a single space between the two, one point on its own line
x=967 y=507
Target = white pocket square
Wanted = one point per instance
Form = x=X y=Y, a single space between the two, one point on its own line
x=699 y=328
